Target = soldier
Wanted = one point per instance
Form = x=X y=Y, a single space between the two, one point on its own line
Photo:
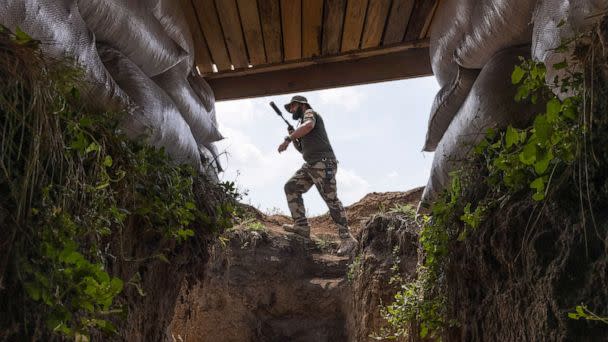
x=310 y=139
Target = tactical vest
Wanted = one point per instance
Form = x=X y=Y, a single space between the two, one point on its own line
x=315 y=144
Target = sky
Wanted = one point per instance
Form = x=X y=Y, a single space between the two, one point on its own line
x=377 y=132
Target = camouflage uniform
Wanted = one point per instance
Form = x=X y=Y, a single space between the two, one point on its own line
x=320 y=169
x=323 y=175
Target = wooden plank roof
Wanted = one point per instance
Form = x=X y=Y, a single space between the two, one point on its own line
x=248 y=48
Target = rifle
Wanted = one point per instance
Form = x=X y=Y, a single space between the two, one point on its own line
x=278 y=111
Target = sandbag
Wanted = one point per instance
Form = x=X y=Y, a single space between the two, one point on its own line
x=446 y=105
x=490 y=103
x=495 y=25
x=130 y=27
x=155 y=117
x=171 y=16
x=63 y=34
x=204 y=92
x=451 y=22
x=189 y=104
x=558 y=21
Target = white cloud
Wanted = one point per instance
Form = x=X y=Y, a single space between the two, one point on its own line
x=259 y=172
x=351 y=187
x=393 y=175
x=235 y=113
x=347 y=99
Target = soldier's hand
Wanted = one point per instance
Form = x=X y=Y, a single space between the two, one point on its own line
x=283 y=146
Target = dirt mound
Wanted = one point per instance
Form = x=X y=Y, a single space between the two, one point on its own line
x=358 y=213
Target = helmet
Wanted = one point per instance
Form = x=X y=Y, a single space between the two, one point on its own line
x=297 y=98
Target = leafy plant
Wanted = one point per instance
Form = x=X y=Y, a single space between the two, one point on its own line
x=514 y=160
x=70 y=184
x=255 y=226
x=405 y=209
x=583 y=312
x=354 y=268
x=422 y=301
x=517 y=159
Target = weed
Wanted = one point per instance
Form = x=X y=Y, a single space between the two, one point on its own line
x=354 y=268
x=583 y=312
x=70 y=182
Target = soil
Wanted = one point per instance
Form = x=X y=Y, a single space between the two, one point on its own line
x=263 y=284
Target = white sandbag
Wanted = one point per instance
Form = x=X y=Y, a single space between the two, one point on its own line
x=204 y=92
x=130 y=27
x=495 y=25
x=557 y=22
x=171 y=16
x=490 y=103
x=155 y=117
x=451 y=21
x=59 y=27
x=446 y=105
x=189 y=104
x=12 y=12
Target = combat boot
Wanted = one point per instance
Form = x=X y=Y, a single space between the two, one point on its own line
x=301 y=230
x=347 y=241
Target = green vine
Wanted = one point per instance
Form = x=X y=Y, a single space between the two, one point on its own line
x=527 y=158
x=423 y=300
x=70 y=184
x=513 y=160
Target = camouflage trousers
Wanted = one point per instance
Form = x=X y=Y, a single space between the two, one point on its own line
x=323 y=175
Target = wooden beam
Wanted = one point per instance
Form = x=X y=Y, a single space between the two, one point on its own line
x=332 y=26
x=291 y=14
x=377 y=14
x=248 y=10
x=231 y=26
x=401 y=10
x=270 y=16
x=202 y=58
x=353 y=24
x=422 y=14
x=312 y=21
x=213 y=33
x=358 y=54
x=385 y=67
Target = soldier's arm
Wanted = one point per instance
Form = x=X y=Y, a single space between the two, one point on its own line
x=308 y=123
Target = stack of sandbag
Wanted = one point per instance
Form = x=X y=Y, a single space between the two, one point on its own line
x=59 y=27
x=189 y=104
x=148 y=50
x=489 y=104
x=557 y=23
x=154 y=36
x=131 y=28
x=466 y=36
x=448 y=29
x=155 y=118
